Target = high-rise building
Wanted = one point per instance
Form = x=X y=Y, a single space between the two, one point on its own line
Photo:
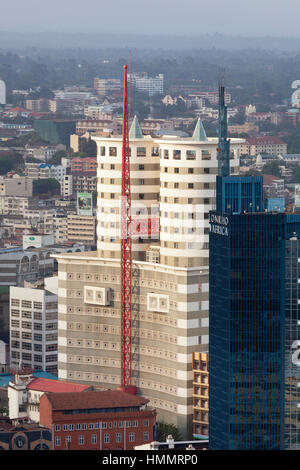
x=172 y=191
x=253 y=321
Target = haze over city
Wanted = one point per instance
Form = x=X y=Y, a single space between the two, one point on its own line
x=191 y=17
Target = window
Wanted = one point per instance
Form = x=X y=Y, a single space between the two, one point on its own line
x=71 y=427
x=176 y=154
x=57 y=427
x=191 y=185
x=102 y=151
x=191 y=154
x=91 y=425
x=65 y=427
x=176 y=170
x=57 y=441
x=106 y=438
x=118 y=437
x=78 y=427
x=141 y=167
x=131 y=437
x=135 y=424
x=112 y=151
x=206 y=171
x=166 y=154
x=141 y=151
x=81 y=439
x=191 y=170
x=146 y=436
x=94 y=439
x=146 y=423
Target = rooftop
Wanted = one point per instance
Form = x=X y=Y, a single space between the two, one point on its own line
x=95 y=399
x=55 y=386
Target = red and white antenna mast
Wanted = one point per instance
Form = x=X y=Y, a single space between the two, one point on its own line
x=126 y=252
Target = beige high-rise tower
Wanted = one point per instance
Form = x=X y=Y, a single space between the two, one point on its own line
x=175 y=176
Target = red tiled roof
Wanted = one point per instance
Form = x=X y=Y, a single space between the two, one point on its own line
x=95 y=399
x=55 y=386
x=265 y=140
x=268 y=179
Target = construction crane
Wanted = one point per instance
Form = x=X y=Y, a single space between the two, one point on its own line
x=126 y=253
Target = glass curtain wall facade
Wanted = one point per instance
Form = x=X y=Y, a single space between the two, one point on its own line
x=254 y=332
x=246 y=332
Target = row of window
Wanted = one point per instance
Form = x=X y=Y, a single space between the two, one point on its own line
x=104 y=425
x=106 y=438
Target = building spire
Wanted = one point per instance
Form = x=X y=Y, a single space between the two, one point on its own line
x=199 y=134
x=135 y=130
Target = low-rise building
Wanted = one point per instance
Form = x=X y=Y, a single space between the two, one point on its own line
x=25 y=390
x=97 y=420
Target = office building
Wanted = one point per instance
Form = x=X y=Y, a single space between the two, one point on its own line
x=253 y=320
x=176 y=177
x=33 y=327
x=144 y=84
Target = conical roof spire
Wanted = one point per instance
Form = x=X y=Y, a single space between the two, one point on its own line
x=199 y=132
x=135 y=130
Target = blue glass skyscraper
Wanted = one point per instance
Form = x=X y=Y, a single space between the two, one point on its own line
x=253 y=321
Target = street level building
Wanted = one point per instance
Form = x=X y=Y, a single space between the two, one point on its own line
x=97 y=420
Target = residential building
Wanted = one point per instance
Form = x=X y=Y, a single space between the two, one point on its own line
x=97 y=420
x=81 y=228
x=273 y=186
x=66 y=187
x=33 y=328
x=94 y=126
x=264 y=144
x=16 y=185
x=247 y=128
x=107 y=86
x=84 y=183
x=84 y=165
x=45 y=170
x=174 y=177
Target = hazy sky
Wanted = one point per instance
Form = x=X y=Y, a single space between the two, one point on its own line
x=189 y=17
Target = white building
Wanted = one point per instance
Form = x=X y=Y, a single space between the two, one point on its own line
x=173 y=188
x=33 y=327
x=146 y=84
x=2 y=92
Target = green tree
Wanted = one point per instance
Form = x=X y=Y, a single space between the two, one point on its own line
x=46 y=186
x=163 y=430
x=271 y=168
